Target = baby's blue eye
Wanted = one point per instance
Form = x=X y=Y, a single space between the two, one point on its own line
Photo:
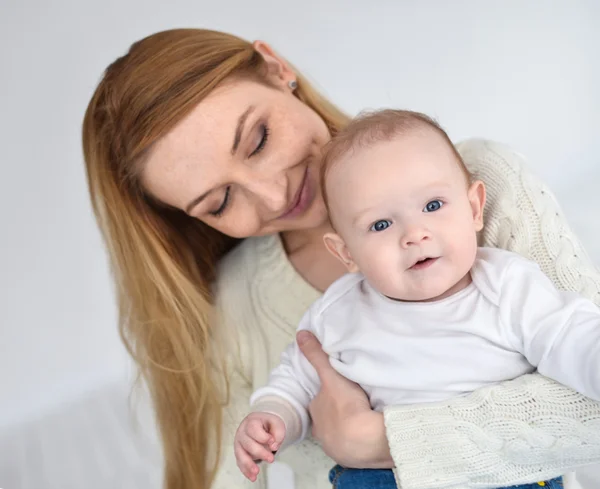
x=433 y=206
x=381 y=225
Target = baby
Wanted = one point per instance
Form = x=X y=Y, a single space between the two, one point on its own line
x=424 y=314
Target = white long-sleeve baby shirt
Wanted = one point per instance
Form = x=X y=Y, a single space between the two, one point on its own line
x=509 y=321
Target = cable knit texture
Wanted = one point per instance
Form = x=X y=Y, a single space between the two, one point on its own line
x=524 y=430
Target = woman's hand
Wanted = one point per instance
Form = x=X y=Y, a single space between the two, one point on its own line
x=349 y=431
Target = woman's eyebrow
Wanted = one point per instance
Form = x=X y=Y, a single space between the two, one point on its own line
x=240 y=128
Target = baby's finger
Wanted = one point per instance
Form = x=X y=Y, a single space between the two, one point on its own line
x=277 y=431
x=245 y=463
x=256 y=450
x=258 y=432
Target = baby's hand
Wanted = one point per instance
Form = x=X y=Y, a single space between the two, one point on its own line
x=258 y=436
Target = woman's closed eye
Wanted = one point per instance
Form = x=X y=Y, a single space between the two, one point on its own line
x=264 y=137
x=218 y=212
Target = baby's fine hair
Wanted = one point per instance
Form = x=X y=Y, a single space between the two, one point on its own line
x=370 y=128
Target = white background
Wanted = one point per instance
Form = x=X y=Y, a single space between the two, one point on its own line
x=519 y=71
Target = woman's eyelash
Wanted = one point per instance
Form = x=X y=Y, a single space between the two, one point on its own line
x=258 y=149
x=222 y=207
x=263 y=140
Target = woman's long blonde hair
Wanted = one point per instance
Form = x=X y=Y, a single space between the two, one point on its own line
x=164 y=261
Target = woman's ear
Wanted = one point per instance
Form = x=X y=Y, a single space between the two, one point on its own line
x=337 y=247
x=476 y=195
x=278 y=70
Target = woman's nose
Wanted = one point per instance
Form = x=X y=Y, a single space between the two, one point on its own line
x=271 y=193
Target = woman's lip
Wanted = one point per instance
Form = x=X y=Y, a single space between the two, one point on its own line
x=299 y=201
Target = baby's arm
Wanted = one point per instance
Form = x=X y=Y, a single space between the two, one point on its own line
x=292 y=384
x=279 y=414
x=558 y=332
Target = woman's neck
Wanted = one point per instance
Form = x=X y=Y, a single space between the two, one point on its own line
x=294 y=241
x=308 y=255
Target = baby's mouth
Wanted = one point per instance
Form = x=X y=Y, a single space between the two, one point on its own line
x=424 y=263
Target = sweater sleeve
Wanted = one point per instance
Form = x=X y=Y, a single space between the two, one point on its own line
x=524 y=430
x=528 y=429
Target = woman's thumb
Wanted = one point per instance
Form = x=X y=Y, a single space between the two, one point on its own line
x=311 y=349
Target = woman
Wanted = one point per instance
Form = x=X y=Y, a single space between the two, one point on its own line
x=197 y=140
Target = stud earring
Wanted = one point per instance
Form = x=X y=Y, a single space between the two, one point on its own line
x=293 y=84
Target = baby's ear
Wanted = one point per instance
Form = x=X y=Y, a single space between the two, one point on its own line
x=337 y=247
x=477 y=199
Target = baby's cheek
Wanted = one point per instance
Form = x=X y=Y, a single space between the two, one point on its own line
x=465 y=250
x=385 y=267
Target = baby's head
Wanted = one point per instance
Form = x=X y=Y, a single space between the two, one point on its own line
x=403 y=206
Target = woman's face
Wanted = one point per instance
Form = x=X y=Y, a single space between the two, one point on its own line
x=245 y=161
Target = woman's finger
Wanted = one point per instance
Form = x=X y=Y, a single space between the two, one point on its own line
x=311 y=349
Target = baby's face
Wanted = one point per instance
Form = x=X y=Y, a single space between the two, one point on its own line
x=406 y=217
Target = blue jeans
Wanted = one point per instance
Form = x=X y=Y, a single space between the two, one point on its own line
x=342 y=478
